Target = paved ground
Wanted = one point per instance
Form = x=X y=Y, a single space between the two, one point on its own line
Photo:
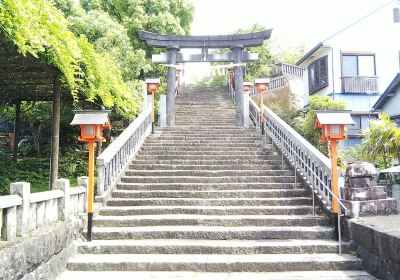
x=386 y=224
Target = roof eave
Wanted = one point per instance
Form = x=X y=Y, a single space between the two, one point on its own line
x=308 y=54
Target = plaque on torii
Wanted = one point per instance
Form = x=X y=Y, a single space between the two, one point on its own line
x=236 y=43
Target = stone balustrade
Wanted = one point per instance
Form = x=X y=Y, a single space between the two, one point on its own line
x=22 y=212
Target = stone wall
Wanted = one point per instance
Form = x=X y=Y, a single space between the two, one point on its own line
x=41 y=255
x=37 y=229
x=378 y=250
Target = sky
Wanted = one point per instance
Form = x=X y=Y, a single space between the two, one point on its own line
x=298 y=22
x=294 y=22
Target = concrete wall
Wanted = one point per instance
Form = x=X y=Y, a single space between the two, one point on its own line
x=379 y=251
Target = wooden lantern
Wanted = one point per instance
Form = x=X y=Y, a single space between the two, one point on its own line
x=247 y=87
x=332 y=125
x=261 y=85
x=92 y=124
x=152 y=86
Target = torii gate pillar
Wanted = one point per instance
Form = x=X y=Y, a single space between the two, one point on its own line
x=237 y=51
x=235 y=42
x=172 y=56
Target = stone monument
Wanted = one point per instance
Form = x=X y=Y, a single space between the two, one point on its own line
x=361 y=194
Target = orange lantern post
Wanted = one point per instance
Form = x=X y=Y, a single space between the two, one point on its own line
x=91 y=123
x=332 y=124
x=262 y=87
x=152 y=86
x=232 y=77
x=247 y=87
x=178 y=80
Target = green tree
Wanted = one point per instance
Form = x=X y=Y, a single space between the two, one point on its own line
x=305 y=126
x=36 y=27
x=381 y=141
x=270 y=52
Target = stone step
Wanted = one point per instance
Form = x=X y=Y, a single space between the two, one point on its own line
x=209 y=157
x=193 y=179
x=210 y=132
x=193 y=135
x=202 y=153
x=233 y=141
x=253 y=161
x=166 y=201
x=136 y=166
x=205 y=210
x=236 y=194
x=200 y=136
x=213 y=232
x=207 y=146
x=205 y=186
x=217 y=129
x=205 y=137
x=208 y=247
x=208 y=173
x=210 y=220
x=214 y=263
x=168 y=275
x=231 y=123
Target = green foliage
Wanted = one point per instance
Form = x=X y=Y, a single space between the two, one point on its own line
x=214 y=81
x=73 y=163
x=36 y=27
x=109 y=36
x=381 y=142
x=305 y=126
x=270 y=52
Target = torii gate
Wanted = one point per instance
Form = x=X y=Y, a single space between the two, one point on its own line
x=173 y=43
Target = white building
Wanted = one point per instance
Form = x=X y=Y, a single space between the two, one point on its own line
x=389 y=101
x=354 y=65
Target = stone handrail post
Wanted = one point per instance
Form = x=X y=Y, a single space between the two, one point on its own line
x=114 y=159
x=24 y=211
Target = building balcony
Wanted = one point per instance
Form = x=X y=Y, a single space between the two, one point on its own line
x=284 y=68
x=360 y=84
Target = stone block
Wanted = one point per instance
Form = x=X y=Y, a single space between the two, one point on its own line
x=9 y=227
x=359 y=194
x=40 y=214
x=359 y=182
x=23 y=189
x=386 y=206
x=83 y=181
x=65 y=202
x=32 y=217
x=362 y=169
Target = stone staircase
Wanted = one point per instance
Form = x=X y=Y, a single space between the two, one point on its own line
x=206 y=200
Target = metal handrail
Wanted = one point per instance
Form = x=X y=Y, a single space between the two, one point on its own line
x=305 y=158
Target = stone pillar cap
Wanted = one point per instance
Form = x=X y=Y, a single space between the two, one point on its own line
x=237 y=46
x=361 y=169
x=173 y=47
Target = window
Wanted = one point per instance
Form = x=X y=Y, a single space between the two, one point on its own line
x=358 y=65
x=318 y=74
x=396 y=15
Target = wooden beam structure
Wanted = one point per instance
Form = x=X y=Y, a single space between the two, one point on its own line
x=27 y=78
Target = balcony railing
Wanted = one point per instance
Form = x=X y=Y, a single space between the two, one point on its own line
x=277 y=83
x=360 y=84
x=283 y=68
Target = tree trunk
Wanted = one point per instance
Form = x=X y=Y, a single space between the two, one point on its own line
x=37 y=136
